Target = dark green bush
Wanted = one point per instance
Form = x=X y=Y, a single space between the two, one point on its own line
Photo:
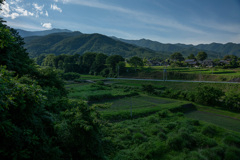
x=71 y=76
x=232 y=153
x=232 y=140
x=209 y=130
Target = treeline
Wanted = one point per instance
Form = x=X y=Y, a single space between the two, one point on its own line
x=88 y=63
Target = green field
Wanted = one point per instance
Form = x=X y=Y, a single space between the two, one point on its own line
x=140 y=127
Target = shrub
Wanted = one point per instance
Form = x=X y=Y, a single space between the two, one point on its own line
x=232 y=140
x=232 y=153
x=208 y=95
x=209 y=130
x=71 y=76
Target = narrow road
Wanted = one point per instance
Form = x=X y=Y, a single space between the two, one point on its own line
x=134 y=79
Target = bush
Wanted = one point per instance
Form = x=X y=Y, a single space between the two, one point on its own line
x=232 y=153
x=208 y=95
x=209 y=130
x=232 y=140
x=71 y=76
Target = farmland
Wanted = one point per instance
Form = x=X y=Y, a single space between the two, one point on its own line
x=144 y=126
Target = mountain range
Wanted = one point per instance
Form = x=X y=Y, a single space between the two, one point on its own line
x=58 y=41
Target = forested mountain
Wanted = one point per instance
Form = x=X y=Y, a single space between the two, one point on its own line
x=185 y=50
x=228 y=48
x=24 y=33
x=214 y=50
x=78 y=43
x=58 y=41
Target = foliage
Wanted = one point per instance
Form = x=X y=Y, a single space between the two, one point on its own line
x=78 y=132
x=136 y=61
x=71 y=76
x=177 y=56
x=25 y=126
x=13 y=54
x=208 y=95
x=201 y=56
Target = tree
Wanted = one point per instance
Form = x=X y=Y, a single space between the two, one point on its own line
x=191 y=56
x=88 y=60
x=112 y=62
x=202 y=56
x=13 y=54
x=208 y=95
x=99 y=63
x=177 y=56
x=136 y=61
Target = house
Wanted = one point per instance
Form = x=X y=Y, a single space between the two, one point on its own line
x=191 y=62
x=208 y=63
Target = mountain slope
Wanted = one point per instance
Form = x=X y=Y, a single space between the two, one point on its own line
x=185 y=50
x=78 y=43
x=24 y=33
x=228 y=48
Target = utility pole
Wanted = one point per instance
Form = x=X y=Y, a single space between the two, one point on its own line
x=131 y=107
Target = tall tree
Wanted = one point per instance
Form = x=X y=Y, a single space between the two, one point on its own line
x=202 y=56
x=136 y=61
x=191 y=56
x=177 y=56
x=112 y=62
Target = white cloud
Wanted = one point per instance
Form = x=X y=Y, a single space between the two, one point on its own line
x=46 y=13
x=55 y=7
x=55 y=0
x=37 y=7
x=46 y=25
x=13 y=12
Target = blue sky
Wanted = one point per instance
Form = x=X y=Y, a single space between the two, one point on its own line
x=166 y=21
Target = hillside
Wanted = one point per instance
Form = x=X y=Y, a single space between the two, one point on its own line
x=214 y=50
x=78 y=43
x=185 y=50
x=228 y=48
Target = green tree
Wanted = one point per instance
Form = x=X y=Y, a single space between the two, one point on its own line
x=208 y=95
x=25 y=124
x=136 y=62
x=177 y=56
x=201 y=56
x=112 y=62
x=99 y=64
x=13 y=54
x=88 y=60
x=79 y=132
x=191 y=56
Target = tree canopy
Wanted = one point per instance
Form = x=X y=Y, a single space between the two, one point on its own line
x=201 y=56
x=177 y=56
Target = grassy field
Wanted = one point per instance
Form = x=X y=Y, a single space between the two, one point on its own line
x=140 y=127
x=177 y=85
x=190 y=70
x=185 y=73
x=218 y=119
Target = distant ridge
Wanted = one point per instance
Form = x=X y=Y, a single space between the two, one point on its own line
x=214 y=50
x=24 y=33
x=57 y=41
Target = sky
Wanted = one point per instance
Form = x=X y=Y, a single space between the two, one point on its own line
x=165 y=21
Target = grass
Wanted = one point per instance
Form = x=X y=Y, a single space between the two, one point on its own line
x=190 y=86
x=225 y=122
x=139 y=106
